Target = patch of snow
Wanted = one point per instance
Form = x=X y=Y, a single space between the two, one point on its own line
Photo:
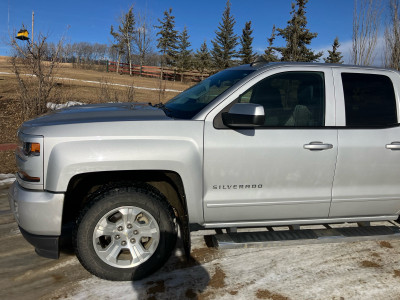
x=6 y=180
x=55 y=106
x=360 y=270
x=14 y=231
x=71 y=262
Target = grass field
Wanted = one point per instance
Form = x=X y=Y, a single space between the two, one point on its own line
x=73 y=87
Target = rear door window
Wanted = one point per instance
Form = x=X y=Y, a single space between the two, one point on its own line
x=369 y=100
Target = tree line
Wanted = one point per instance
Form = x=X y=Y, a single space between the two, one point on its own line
x=135 y=40
x=227 y=49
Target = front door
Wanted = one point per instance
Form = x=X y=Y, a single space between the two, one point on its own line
x=282 y=170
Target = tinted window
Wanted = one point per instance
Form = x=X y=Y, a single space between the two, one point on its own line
x=369 y=100
x=190 y=102
x=291 y=99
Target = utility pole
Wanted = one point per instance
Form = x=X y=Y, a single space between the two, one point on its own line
x=8 y=17
x=33 y=21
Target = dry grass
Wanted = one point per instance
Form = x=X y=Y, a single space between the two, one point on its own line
x=385 y=244
x=66 y=70
x=73 y=90
x=10 y=110
x=396 y=273
x=266 y=294
x=8 y=165
x=369 y=264
x=217 y=281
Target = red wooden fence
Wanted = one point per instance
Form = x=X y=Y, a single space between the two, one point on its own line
x=153 y=71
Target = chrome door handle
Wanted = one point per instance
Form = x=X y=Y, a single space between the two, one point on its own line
x=393 y=146
x=317 y=146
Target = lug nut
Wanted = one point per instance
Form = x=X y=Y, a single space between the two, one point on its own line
x=129 y=226
x=117 y=237
x=133 y=241
x=120 y=228
x=136 y=232
x=123 y=243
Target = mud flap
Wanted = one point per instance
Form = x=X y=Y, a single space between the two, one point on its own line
x=185 y=233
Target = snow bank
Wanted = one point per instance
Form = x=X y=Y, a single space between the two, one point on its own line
x=55 y=106
x=6 y=180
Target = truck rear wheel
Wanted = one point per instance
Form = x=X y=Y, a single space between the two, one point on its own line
x=125 y=232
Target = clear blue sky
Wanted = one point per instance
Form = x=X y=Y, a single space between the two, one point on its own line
x=90 y=21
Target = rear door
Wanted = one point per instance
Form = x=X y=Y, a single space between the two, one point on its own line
x=272 y=172
x=368 y=166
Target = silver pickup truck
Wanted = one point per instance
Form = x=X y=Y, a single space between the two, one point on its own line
x=251 y=146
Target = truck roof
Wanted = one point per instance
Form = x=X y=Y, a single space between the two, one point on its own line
x=259 y=65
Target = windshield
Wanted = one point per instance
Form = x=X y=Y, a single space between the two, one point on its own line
x=188 y=103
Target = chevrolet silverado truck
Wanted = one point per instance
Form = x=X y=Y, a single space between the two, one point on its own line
x=251 y=146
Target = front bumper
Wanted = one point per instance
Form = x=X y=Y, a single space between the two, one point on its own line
x=39 y=216
x=37 y=212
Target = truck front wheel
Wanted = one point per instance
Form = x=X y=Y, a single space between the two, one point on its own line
x=125 y=232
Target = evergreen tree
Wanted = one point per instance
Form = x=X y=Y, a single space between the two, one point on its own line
x=334 y=57
x=225 y=42
x=297 y=36
x=203 y=58
x=184 y=55
x=246 y=52
x=270 y=55
x=125 y=33
x=168 y=39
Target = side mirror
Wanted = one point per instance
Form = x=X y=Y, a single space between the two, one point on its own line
x=245 y=115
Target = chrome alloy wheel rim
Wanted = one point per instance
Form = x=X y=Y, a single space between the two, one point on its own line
x=126 y=237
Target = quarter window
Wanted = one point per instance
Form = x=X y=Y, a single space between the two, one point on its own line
x=369 y=100
x=290 y=99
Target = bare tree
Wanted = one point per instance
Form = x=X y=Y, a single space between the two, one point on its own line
x=366 y=20
x=142 y=37
x=392 y=37
x=34 y=67
x=78 y=52
x=125 y=33
x=118 y=49
x=109 y=92
x=67 y=52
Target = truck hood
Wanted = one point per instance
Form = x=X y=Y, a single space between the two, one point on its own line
x=104 y=112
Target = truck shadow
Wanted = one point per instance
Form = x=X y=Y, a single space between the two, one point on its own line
x=181 y=277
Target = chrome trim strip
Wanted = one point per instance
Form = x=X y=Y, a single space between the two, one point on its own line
x=366 y=199
x=269 y=203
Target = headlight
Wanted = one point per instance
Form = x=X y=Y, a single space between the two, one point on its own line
x=29 y=158
x=31 y=149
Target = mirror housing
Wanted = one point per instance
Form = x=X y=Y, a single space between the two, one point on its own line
x=244 y=115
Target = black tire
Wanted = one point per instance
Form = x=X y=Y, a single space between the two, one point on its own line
x=107 y=205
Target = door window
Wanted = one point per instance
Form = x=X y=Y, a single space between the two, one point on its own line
x=290 y=99
x=369 y=100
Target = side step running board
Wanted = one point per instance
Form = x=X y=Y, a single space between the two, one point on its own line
x=304 y=236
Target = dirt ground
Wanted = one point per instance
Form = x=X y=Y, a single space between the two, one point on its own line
x=72 y=89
